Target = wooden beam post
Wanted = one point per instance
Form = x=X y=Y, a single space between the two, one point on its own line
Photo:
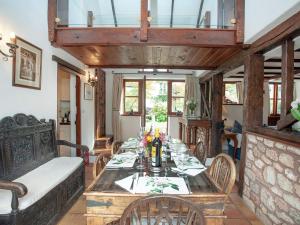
x=216 y=114
x=253 y=103
x=207 y=19
x=90 y=19
x=52 y=14
x=100 y=114
x=240 y=20
x=144 y=21
x=287 y=79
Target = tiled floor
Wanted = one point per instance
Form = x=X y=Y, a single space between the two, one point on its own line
x=236 y=211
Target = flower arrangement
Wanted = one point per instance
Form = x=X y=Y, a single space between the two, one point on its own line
x=191 y=104
x=295 y=111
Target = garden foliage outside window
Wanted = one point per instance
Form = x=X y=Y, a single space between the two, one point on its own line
x=233 y=93
x=132 y=97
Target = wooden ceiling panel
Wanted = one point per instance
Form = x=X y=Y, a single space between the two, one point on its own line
x=152 y=56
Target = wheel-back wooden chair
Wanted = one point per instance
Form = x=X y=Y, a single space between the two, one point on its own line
x=223 y=173
x=200 y=152
x=100 y=162
x=115 y=147
x=162 y=209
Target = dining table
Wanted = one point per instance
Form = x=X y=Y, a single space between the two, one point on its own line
x=119 y=184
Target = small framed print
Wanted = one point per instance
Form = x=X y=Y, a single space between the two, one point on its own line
x=88 y=92
x=27 y=65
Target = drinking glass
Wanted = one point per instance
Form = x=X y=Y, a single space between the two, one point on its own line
x=140 y=151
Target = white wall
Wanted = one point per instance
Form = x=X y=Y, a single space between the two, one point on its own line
x=28 y=19
x=297 y=85
x=263 y=15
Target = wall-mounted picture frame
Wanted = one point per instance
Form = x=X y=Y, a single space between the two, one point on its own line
x=27 y=65
x=88 y=92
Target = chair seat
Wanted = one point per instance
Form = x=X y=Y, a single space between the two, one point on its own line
x=40 y=181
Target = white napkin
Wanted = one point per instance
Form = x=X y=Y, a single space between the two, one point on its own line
x=162 y=185
x=121 y=161
x=190 y=172
x=188 y=163
x=126 y=183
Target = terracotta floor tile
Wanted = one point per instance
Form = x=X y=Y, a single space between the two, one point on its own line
x=236 y=222
x=232 y=212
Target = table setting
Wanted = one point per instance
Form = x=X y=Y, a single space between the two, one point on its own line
x=172 y=178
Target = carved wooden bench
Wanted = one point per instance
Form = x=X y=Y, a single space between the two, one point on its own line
x=36 y=185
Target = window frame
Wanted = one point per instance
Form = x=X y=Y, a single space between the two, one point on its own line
x=140 y=87
x=275 y=99
x=223 y=99
x=170 y=97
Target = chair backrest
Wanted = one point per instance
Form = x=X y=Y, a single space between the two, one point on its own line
x=200 y=152
x=116 y=146
x=223 y=173
x=162 y=209
x=25 y=144
x=100 y=162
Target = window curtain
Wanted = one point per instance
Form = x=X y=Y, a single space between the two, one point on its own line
x=239 y=90
x=116 y=103
x=266 y=96
x=192 y=91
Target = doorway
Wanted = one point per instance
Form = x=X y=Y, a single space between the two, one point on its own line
x=67 y=110
x=156 y=102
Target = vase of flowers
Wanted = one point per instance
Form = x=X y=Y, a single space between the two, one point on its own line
x=295 y=111
x=191 y=105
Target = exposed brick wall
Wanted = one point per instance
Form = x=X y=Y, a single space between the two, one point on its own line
x=272 y=181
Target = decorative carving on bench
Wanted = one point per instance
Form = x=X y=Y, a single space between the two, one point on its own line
x=25 y=144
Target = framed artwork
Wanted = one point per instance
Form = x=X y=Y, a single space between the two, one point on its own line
x=88 y=92
x=27 y=65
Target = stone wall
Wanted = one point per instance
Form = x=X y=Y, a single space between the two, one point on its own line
x=272 y=181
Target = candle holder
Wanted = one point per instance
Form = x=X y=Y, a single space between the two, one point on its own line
x=12 y=48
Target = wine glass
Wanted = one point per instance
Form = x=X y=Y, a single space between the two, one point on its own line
x=140 y=151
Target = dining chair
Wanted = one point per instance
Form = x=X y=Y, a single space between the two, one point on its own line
x=200 y=152
x=162 y=209
x=100 y=162
x=115 y=147
x=222 y=172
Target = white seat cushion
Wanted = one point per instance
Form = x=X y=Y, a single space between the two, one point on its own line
x=40 y=181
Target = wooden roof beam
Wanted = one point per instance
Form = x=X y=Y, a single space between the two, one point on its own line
x=213 y=38
x=144 y=21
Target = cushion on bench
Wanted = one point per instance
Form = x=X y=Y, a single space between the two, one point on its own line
x=40 y=181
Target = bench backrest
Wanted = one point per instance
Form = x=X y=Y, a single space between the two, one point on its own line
x=25 y=143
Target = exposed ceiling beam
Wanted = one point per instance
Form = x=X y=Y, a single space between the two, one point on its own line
x=199 y=14
x=266 y=73
x=213 y=38
x=114 y=12
x=136 y=66
x=278 y=67
x=288 y=29
x=278 y=60
x=172 y=11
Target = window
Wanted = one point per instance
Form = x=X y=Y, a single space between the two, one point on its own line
x=275 y=98
x=176 y=96
x=232 y=93
x=132 y=97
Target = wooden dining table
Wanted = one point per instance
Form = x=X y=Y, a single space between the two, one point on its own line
x=106 y=201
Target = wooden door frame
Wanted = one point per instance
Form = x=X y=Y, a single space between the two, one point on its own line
x=63 y=65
